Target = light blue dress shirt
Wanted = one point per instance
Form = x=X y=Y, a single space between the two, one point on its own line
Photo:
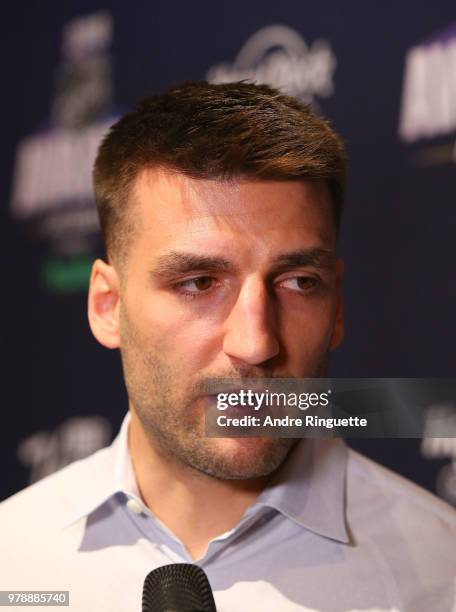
x=332 y=532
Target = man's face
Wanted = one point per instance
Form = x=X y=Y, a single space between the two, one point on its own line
x=223 y=280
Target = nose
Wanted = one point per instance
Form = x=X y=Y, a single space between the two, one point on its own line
x=250 y=335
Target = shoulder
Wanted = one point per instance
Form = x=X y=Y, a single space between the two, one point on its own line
x=52 y=500
x=408 y=529
x=408 y=533
x=370 y=480
x=41 y=527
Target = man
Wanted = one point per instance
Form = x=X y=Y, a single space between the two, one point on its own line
x=220 y=205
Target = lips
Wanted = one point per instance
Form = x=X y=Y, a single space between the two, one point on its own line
x=214 y=386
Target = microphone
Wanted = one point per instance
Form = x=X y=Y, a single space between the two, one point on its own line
x=178 y=587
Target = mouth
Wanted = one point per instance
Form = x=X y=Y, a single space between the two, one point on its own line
x=234 y=401
x=217 y=386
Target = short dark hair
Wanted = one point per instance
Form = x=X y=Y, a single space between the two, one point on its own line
x=206 y=131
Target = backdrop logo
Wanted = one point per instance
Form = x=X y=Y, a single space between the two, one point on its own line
x=45 y=452
x=429 y=95
x=52 y=187
x=278 y=56
x=53 y=171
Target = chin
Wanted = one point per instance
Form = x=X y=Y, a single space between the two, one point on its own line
x=243 y=458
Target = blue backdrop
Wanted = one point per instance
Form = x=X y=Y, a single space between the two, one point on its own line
x=383 y=73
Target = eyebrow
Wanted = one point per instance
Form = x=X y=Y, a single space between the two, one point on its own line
x=315 y=257
x=176 y=263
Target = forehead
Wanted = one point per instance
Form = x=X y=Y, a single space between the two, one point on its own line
x=174 y=210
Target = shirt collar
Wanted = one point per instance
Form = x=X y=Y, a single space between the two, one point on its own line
x=107 y=472
x=309 y=488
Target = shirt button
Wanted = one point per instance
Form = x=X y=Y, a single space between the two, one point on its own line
x=134 y=506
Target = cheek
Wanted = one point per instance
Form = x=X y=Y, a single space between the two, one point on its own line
x=308 y=330
x=184 y=334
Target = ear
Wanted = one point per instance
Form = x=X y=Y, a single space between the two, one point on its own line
x=338 y=332
x=103 y=304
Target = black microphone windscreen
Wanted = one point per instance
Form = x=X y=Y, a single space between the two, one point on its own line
x=178 y=587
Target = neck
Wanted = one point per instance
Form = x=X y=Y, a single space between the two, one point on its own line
x=191 y=504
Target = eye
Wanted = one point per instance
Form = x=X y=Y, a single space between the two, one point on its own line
x=302 y=284
x=194 y=286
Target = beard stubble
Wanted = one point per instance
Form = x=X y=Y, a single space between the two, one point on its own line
x=172 y=415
